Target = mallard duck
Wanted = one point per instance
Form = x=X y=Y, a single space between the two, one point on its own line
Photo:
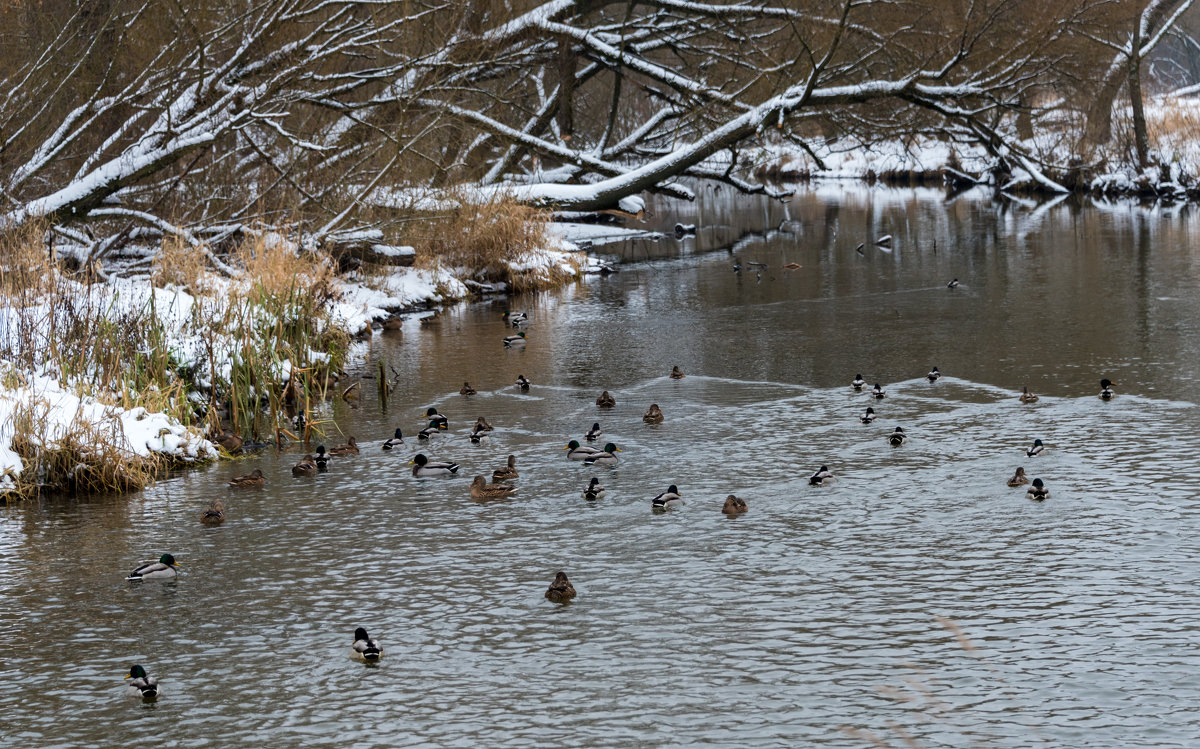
x=594 y=490
x=479 y=436
x=933 y=375
x=482 y=425
x=953 y=284
x=594 y=434
x=606 y=458
x=653 y=415
x=307 y=466
x=393 y=324
x=350 y=448
x=561 y=590
x=1038 y=491
x=523 y=382
x=868 y=416
x=677 y=373
x=143 y=685
x=215 y=514
x=669 y=498
x=1035 y=449
x=433 y=430
x=605 y=400
x=252 y=480
x=481 y=489
x=165 y=568
x=466 y=389
x=1106 y=391
x=321 y=459
x=423 y=466
x=515 y=340
x=433 y=319
x=859 y=383
x=897 y=438
x=576 y=451
x=508 y=472
x=364 y=648
x=432 y=414
x=1019 y=478
x=878 y=392
x=1027 y=397
x=229 y=441
x=822 y=477
x=515 y=319
x=396 y=440
x=734 y=505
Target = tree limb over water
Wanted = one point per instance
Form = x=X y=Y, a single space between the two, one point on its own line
x=146 y=118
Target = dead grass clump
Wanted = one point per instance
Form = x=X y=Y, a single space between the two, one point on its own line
x=27 y=269
x=487 y=239
x=84 y=458
x=179 y=264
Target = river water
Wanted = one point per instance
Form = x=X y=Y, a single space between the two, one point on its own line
x=918 y=601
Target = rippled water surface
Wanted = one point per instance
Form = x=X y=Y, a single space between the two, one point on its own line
x=917 y=601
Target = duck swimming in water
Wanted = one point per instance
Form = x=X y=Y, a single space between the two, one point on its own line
x=350 y=448
x=897 y=438
x=515 y=319
x=1038 y=491
x=822 y=477
x=364 y=648
x=606 y=458
x=482 y=425
x=482 y=490
x=1106 y=391
x=321 y=459
x=677 y=373
x=594 y=434
x=515 y=340
x=523 y=382
x=594 y=490
x=165 y=568
x=433 y=430
x=432 y=414
x=479 y=436
x=734 y=505
x=252 y=480
x=508 y=472
x=859 y=383
x=668 y=499
x=576 y=451
x=953 y=284
x=215 y=514
x=561 y=590
x=653 y=415
x=1035 y=449
x=466 y=389
x=933 y=375
x=306 y=466
x=396 y=440
x=605 y=400
x=868 y=416
x=143 y=686
x=423 y=466
x=878 y=392
x=1019 y=478
x=1027 y=397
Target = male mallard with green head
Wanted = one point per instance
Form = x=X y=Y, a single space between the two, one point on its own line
x=364 y=648
x=606 y=458
x=423 y=466
x=143 y=686
x=166 y=568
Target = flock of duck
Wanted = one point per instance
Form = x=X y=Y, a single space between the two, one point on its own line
x=367 y=650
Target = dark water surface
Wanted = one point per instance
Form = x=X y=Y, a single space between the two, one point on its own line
x=918 y=601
